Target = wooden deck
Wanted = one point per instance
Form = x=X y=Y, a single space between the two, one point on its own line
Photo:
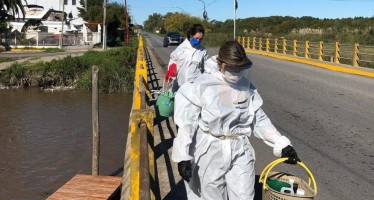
x=88 y=187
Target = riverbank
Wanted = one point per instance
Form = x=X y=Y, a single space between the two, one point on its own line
x=115 y=75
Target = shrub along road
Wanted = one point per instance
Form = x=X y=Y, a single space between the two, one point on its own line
x=327 y=115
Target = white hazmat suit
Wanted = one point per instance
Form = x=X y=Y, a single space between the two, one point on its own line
x=189 y=61
x=215 y=120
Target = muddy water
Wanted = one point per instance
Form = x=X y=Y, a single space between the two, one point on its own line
x=46 y=138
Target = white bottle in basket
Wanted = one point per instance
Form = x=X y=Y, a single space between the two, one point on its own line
x=300 y=192
x=291 y=190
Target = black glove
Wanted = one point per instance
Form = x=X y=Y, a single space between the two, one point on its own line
x=290 y=153
x=184 y=168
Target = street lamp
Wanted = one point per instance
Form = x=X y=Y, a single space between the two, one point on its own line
x=235 y=7
x=126 y=41
x=179 y=8
x=205 y=14
x=62 y=26
x=104 y=25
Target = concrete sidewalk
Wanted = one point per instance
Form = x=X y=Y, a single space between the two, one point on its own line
x=170 y=185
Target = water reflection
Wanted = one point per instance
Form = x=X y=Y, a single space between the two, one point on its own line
x=46 y=138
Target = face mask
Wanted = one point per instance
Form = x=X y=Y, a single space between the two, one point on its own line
x=194 y=42
x=232 y=77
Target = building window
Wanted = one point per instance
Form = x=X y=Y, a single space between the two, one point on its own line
x=74 y=2
x=65 y=2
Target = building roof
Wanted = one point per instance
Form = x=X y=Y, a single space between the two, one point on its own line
x=35 y=14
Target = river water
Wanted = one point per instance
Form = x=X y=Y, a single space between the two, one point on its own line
x=46 y=138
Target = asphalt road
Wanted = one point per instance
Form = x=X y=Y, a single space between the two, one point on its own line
x=327 y=115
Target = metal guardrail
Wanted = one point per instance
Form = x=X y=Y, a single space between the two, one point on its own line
x=139 y=164
x=352 y=54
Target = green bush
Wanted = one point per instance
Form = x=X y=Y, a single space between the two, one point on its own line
x=15 y=75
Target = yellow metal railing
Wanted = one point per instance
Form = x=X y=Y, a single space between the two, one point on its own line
x=139 y=165
x=354 y=54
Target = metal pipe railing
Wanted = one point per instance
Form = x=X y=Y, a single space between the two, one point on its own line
x=339 y=53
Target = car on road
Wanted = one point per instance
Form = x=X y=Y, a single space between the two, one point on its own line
x=172 y=38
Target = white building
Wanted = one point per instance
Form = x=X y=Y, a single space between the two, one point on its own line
x=70 y=6
x=45 y=16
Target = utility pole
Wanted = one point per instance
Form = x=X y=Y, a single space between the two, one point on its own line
x=205 y=14
x=234 y=19
x=62 y=25
x=126 y=24
x=104 y=25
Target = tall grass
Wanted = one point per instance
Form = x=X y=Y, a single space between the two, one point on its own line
x=7 y=59
x=15 y=75
x=216 y=39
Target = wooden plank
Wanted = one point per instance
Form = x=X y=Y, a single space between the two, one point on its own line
x=87 y=187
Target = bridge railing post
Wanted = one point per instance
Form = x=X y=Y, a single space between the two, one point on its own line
x=356 y=55
x=320 y=51
x=295 y=47
x=254 y=43
x=276 y=45
x=337 y=53
x=267 y=45
x=306 y=51
x=260 y=44
x=243 y=41
x=248 y=42
x=284 y=46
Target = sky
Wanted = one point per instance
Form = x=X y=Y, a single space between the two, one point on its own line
x=222 y=10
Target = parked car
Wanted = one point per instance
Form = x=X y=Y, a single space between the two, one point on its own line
x=173 y=38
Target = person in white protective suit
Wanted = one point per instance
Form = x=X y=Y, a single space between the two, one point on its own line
x=216 y=115
x=189 y=57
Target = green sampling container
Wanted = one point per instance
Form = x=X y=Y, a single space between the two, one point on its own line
x=277 y=185
x=165 y=103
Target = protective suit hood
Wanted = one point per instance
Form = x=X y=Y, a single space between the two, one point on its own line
x=211 y=65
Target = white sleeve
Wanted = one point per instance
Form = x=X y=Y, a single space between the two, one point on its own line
x=186 y=116
x=206 y=56
x=265 y=130
x=175 y=56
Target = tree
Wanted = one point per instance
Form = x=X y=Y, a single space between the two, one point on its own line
x=154 y=21
x=115 y=16
x=13 y=7
x=90 y=3
x=180 y=22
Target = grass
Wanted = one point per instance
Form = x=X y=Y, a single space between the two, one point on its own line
x=35 y=58
x=7 y=59
x=52 y=50
x=45 y=50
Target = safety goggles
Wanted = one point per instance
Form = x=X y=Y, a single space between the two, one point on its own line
x=236 y=68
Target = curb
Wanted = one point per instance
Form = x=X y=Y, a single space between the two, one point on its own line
x=26 y=50
x=338 y=68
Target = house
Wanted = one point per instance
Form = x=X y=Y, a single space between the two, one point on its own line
x=46 y=17
x=49 y=13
